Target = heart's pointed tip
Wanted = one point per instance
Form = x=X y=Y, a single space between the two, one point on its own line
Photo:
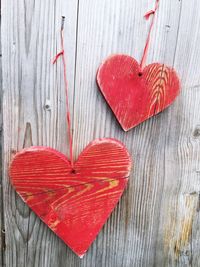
x=81 y=256
x=80 y=253
x=125 y=129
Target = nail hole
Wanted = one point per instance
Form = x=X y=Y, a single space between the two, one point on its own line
x=13 y=151
x=47 y=105
x=140 y=74
x=73 y=171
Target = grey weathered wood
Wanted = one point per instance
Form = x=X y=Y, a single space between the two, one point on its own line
x=31 y=38
x=157 y=221
x=1 y=195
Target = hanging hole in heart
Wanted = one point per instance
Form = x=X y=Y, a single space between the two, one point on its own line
x=139 y=74
x=73 y=171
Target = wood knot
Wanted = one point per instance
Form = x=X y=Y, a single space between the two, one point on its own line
x=196 y=132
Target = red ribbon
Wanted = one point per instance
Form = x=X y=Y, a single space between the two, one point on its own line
x=68 y=117
x=147 y=16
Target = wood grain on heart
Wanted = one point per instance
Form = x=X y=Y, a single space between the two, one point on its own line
x=74 y=203
x=135 y=95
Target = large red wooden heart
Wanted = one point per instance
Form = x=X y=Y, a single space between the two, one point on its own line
x=135 y=95
x=76 y=203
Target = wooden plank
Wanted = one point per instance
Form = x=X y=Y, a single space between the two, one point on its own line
x=34 y=112
x=157 y=221
x=179 y=213
x=2 y=244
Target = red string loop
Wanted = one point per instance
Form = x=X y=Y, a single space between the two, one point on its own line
x=147 y=16
x=57 y=56
x=68 y=117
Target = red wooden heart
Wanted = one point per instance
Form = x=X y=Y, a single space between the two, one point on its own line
x=135 y=95
x=76 y=203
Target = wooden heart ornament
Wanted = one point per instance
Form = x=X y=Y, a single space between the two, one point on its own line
x=133 y=94
x=74 y=203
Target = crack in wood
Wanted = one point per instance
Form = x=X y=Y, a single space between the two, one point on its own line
x=28 y=136
x=3 y=242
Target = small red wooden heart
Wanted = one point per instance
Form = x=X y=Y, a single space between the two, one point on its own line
x=76 y=203
x=135 y=95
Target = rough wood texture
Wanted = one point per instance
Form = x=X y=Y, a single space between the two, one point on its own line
x=1 y=191
x=157 y=221
x=74 y=202
x=135 y=94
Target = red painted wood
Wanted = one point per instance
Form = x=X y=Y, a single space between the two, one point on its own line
x=76 y=203
x=135 y=95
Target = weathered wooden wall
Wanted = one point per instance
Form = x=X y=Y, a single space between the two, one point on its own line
x=157 y=222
